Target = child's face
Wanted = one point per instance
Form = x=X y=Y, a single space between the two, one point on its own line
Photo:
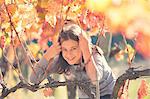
x=71 y=51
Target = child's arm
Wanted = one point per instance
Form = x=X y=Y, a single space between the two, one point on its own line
x=45 y=63
x=88 y=59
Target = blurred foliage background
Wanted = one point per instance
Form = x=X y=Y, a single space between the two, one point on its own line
x=28 y=28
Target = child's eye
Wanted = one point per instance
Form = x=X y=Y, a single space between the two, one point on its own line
x=64 y=50
x=74 y=48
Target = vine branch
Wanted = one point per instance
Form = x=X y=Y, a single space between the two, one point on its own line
x=33 y=88
x=130 y=74
x=12 y=25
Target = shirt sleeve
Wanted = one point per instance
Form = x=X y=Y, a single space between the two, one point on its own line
x=40 y=72
x=99 y=64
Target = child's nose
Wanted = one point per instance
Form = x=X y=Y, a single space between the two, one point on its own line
x=69 y=55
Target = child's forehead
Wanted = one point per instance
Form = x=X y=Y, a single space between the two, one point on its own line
x=69 y=43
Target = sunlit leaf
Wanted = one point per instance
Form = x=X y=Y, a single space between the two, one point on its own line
x=3 y=16
x=20 y=1
x=1 y=2
x=54 y=7
x=123 y=91
x=47 y=30
x=48 y=92
x=34 y=48
x=143 y=45
x=41 y=12
x=143 y=90
x=12 y=8
x=2 y=41
x=145 y=4
x=98 y=5
x=44 y=3
x=59 y=25
x=43 y=43
x=120 y=55
x=7 y=41
x=66 y=2
x=130 y=51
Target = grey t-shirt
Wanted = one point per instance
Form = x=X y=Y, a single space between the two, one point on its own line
x=77 y=72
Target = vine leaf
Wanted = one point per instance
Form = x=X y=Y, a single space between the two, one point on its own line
x=143 y=89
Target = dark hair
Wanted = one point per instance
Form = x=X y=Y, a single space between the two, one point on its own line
x=62 y=63
x=69 y=31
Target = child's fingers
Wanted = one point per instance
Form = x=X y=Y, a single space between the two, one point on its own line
x=56 y=43
x=58 y=48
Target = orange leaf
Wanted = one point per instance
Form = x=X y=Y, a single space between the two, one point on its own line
x=58 y=26
x=3 y=17
x=48 y=92
x=43 y=43
x=47 y=30
x=131 y=52
x=20 y=1
x=123 y=92
x=2 y=41
x=43 y=3
x=41 y=12
x=143 y=90
x=54 y=7
x=143 y=45
x=12 y=8
x=66 y=2
x=120 y=55
x=1 y=2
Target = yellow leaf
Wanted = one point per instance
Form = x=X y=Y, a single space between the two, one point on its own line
x=7 y=41
x=12 y=8
x=15 y=19
x=6 y=25
x=145 y=4
x=34 y=48
x=20 y=1
x=41 y=12
x=3 y=16
x=44 y=3
x=120 y=55
x=98 y=5
x=130 y=51
x=1 y=2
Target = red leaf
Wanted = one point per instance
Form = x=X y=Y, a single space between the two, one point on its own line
x=1 y=2
x=12 y=8
x=143 y=44
x=41 y=12
x=48 y=92
x=143 y=90
x=2 y=41
x=123 y=92
x=47 y=30
x=58 y=26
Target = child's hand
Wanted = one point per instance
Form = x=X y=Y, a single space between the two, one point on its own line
x=54 y=50
x=85 y=48
x=83 y=43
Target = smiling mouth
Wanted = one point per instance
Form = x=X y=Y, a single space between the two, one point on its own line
x=71 y=59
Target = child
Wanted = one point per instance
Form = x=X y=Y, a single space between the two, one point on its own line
x=74 y=56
